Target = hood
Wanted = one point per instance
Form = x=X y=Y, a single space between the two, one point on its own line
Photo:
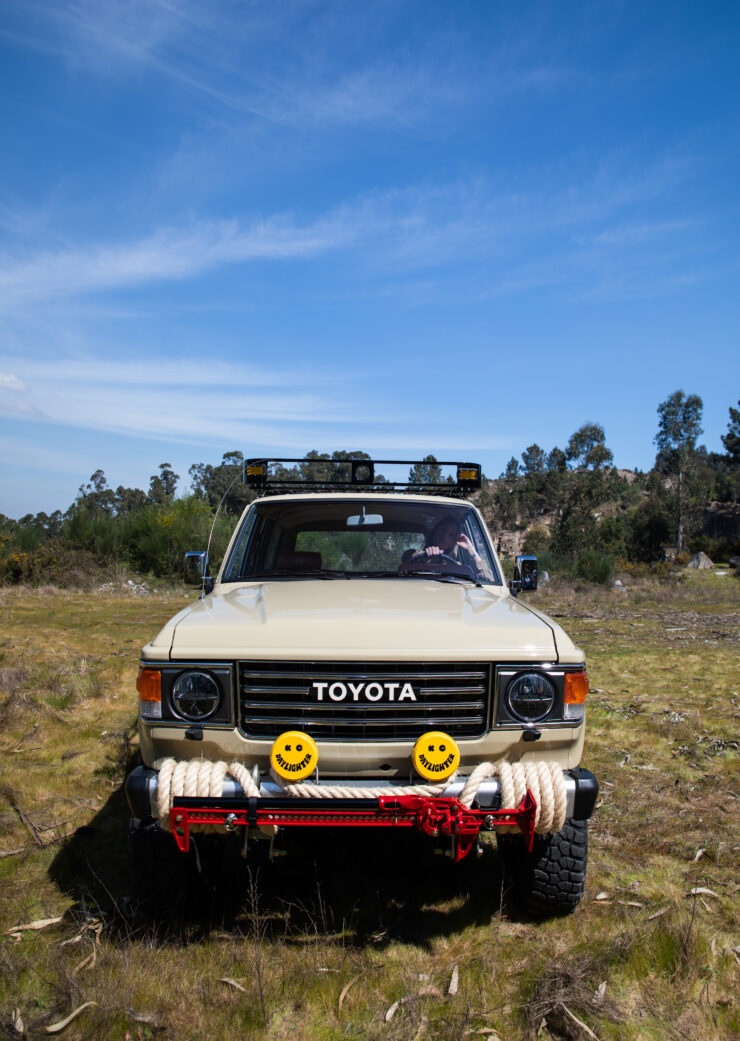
x=388 y=619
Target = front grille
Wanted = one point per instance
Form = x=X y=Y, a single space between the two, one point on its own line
x=278 y=696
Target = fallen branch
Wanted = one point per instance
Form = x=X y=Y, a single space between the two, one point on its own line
x=41 y=923
x=30 y=826
x=422 y=1027
x=425 y=992
x=143 y=1017
x=346 y=989
x=56 y=1028
x=92 y=957
x=390 y=1013
x=93 y=925
x=579 y=1022
x=233 y=983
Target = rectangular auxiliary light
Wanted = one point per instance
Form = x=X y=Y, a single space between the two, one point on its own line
x=255 y=471
x=468 y=475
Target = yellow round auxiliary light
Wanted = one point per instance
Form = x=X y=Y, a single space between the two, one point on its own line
x=436 y=756
x=294 y=755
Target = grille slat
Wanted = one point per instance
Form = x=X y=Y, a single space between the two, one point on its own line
x=357 y=674
x=423 y=723
x=274 y=697
x=325 y=706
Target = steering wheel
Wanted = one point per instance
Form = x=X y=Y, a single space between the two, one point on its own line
x=446 y=558
x=441 y=562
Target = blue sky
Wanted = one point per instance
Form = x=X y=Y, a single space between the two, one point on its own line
x=404 y=227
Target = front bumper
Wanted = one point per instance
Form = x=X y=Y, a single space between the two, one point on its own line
x=581 y=789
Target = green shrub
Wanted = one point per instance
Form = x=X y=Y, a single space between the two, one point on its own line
x=156 y=538
x=536 y=540
x=53 y=563
x=649 y=528
x=552 y=563
x=595 y=566
x=507 y=566
x=612 y=533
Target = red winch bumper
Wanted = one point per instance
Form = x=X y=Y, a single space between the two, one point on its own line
x=432 y=815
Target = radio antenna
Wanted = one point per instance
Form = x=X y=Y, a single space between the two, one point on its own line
x=210 y=536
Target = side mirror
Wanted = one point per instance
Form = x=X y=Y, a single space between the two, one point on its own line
x=195 y=567
x=525 y=575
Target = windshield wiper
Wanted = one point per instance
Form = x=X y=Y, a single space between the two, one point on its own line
x=418 y=573
x=375 y=574
x=442 y=576
x=289 y=572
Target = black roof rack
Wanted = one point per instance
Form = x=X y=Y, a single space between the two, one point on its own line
x=270 y=476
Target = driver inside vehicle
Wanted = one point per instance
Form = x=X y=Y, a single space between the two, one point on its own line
x=448 y=540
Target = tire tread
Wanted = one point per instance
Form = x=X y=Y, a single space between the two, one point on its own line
x=551 y=879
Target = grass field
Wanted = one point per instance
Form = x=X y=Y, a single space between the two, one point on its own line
x=368 y=938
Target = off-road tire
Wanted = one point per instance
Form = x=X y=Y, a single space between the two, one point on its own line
x=550 y=880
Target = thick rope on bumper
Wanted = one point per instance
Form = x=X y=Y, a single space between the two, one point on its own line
x=544 y=780
x=204 y=779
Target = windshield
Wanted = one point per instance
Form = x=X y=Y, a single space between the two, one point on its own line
x=368 y=537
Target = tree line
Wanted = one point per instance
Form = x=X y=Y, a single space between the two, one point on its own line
x=595 y=515
x=574 y=508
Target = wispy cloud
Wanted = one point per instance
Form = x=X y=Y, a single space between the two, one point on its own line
x=179 y=402
x=193 y=374
x=10 y=382
x=178 y=399
x=19 y=408
x=402 y=231
x=295 y=64
x=169 y=253
x=639 y=234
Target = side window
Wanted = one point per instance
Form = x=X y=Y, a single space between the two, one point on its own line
x=476 y=537
x=261 y=547
x=487 y=570
x=235 y=565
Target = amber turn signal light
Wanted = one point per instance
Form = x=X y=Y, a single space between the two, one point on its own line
x=149 y=684
x=576 y=688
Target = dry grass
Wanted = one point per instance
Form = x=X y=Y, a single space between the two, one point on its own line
x=370 y=921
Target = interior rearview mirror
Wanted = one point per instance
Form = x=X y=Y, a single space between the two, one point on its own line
x=357 y=520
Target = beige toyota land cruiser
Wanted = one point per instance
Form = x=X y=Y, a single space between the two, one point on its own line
x=359 y=661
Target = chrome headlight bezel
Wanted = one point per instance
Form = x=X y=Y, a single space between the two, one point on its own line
x=191 y=688
x=543 y=696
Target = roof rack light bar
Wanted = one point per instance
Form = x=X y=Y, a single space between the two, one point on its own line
x=355 y=473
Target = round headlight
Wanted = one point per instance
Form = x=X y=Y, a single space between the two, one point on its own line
x=195 y=696
x=530 y=697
